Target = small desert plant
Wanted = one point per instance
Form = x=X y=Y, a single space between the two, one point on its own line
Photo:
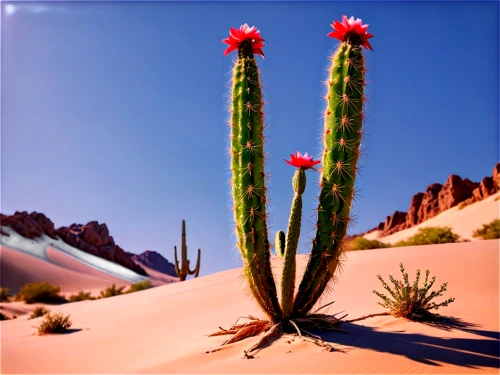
x=3 y=317
x=112 y=291
x=411 y=301
x=430 y=235
x=141 y=285
x=489 y=231
x=4 y=294
x=41 y=291
x=54 y=323
x=38 y=312
x=497 y=198
x=361 y=243
x=81 y=296
x=465 y=203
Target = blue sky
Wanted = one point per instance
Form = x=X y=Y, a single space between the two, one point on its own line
x=117 y=112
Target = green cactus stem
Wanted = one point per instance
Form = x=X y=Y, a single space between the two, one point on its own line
x=183 y=270
x=341 y=140
x=249 y=190
x=292 y=242
x=280 y=243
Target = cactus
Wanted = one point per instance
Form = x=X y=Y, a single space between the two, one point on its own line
x=247 y=165
x=184 y=270
x=341 y=142
x=280 y=243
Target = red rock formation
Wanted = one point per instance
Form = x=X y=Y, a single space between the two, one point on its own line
x=438 y=198
x=29 y=225
x=156 y=261
x=430 y=205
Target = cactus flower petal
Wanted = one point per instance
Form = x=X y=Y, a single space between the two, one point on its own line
x=348 y=27
x=236 y=37
x=302 y=161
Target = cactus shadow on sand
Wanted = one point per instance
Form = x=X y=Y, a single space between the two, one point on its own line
x=430 y=350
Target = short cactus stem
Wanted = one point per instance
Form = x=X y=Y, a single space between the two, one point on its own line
x=280 y=243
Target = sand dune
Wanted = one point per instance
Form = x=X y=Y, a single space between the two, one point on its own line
x=463 y=222
x=161 y=330
x=72 y=276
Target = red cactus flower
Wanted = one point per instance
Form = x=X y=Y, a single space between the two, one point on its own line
x=302 y=161
x=348 y=27
x=236 y=37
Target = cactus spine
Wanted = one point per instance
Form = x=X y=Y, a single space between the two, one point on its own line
x=342 y=137
x=183 y=270
x=248 y=184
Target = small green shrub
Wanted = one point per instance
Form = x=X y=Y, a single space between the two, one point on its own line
x=40 y=291
x=430 y=235
x=81 y=296
x=496 y=199
x=411 y=301
x=141 y=285
x=464 y=204
x=38 y=312
x=4 y=294
x=112 y=291
x=361 y=243
x=488 y=231
x=54 y=323
x=3 y=317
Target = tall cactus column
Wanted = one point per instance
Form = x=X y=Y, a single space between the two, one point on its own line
x=247 y=165
x=341 y=141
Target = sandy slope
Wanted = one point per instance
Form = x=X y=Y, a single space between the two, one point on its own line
x=162 y=330
x=19 y=268
x=463 y=222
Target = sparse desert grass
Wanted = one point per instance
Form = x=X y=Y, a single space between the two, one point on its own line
x=141 y=285
x=429 y=236
x=411 y=301
x=112 y=291
x=488 y=231
x=4 y=294
x=81 y=296
x=3 y=317
x=497 y=198
x=41 y=291
x=361 y=243
x=54 y=323
x=38 y=312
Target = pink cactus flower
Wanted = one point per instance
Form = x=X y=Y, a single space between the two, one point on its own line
x=236 y=37
x=302 y=161
x=348 y=27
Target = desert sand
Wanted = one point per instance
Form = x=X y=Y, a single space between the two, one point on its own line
x=462 y=221
x=163 y=330
x=71 y=275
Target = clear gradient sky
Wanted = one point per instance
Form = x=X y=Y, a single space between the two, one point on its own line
x=116 y=112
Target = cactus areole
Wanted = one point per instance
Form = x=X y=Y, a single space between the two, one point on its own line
x=342 y=132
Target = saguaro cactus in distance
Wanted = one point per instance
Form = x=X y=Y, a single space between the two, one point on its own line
x=183 y=270
x=341 y=140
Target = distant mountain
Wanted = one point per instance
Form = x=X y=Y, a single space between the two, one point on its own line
x=438 y=198
x=156 y=261
x=91 y=243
